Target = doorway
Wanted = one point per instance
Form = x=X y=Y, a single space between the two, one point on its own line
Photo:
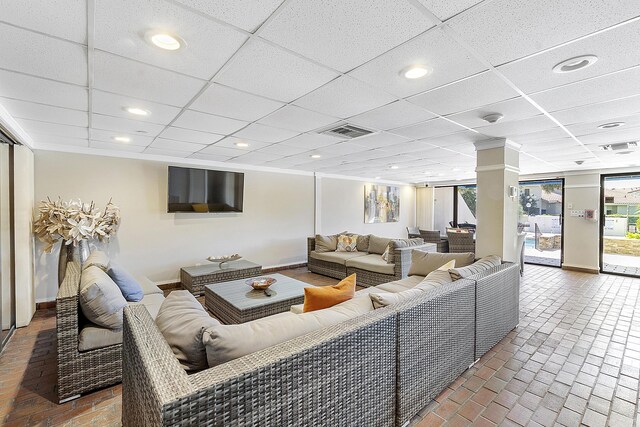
x=541 y=208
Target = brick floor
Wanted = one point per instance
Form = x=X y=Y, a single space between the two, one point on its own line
x=575 y=358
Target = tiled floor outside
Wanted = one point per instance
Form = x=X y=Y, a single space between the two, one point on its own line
x=575 y=358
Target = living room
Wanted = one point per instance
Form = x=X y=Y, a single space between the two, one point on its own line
x=318 y=147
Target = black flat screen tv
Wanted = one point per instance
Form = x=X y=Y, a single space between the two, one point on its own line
x=202 y=190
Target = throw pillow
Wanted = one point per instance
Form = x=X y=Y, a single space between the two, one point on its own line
x=377 y=245
x=423 y=263
x=182 y=320
x=347 y=243
x=130 y=288
x=98 y=259
x=320 y=297
x=385 y=255
x=100 y=298
x=479 y=266
x=363 y=242
x=326 y=243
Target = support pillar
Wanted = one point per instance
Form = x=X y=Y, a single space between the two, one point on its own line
x=497 y=172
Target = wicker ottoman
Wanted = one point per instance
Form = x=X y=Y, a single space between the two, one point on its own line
x=195 y=278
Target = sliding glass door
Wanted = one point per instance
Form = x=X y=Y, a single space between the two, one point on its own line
x=7 y=288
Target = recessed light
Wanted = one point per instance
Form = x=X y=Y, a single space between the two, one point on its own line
x=574 y=64
x=414 y=71
x=137 y=111
x=611 y=125
x=393 y=167
x=492 y=118
x=122 y=138
x=164 y=40
x=315 y=156
x=241 y=144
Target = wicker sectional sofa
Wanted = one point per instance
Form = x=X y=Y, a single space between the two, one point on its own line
x=378 y=369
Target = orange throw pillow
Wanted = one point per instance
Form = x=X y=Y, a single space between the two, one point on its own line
x=321 y=297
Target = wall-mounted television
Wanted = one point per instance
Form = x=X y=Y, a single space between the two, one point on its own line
x=203 y=190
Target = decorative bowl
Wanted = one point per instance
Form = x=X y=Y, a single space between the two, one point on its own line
x=260 y=283
x=224 y=258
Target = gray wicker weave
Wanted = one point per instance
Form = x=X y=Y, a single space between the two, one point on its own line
x=461 y=242
x=331 y=269
x=195 y=278
x=343 y=375
x=436 y=336
x=433 y=236
x=80 y=372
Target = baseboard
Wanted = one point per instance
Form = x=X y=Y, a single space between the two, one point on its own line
x=580 y=269
x=45 y=305
x=283 y=267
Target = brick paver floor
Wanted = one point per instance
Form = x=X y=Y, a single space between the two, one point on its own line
x=575 y=358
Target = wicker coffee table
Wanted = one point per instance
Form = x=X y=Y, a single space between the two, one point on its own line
x=195 y=278
x=237 y=302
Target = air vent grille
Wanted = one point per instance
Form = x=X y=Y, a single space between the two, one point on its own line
x=619 y=146
x=347 y=131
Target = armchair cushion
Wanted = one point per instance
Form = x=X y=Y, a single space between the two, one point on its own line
x=93 y=337
x=423 y=263
x=100 y=298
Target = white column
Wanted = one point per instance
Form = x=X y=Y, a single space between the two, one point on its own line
x=424 y=208
x=496 y=208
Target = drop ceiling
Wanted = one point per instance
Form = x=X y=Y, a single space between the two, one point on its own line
x=257 y=81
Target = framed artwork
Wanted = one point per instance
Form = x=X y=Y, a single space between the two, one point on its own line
x=381 y=203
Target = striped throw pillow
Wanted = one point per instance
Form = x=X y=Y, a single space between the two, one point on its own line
x=475 y=268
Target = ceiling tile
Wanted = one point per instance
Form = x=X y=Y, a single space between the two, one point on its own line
x=467 y=94
x=283 y=150
x=44 y=139
x=227 y=102
x=255 y=158
x=151 y=151
x=258 y=132
x=230 y=142
x=396 y=114
x=208 y=123
x=210 y=157
x=114 y=105
x=446 y=59
x=222 y=151
x=168 y=144
x=19 y=86
x=245 y=14
x=341 y=149
x=429 y=129
x=541 y=136
x=109 y=136
x=345 y=33
x=311 y=141
x=592 y=127
x=263 y=69
x=118 y=124
x=188 y=135
x=32 y=126
x=616 y=49
x=504 y=30
x=599 y=89
x=377 y=140
x=518 y=127
x=44 y=113
x=622 y=135
x=452 y=141
x=298 y=119
x=62 y=18
x=32 y=53
x=100 y=145
x=603 y=111
x=119 y=75
x=120 y=28
x=446 y=9
x=512 y=109
x=344 y=97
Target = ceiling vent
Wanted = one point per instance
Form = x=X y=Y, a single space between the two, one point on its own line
x=619 y=146
x=346 y=130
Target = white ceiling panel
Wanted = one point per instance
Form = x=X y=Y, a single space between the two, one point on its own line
x=109 y=136
x=43 y=139
x=119 y=124
x=616 y=49
x=263 y=69
x=378 y=140
x=208 y=123
x=114 y=105
x=345 y=33
x=344 y=97
x=311 y=141
x=32 y=126
x=168 y=144
x=245 y=14
x=446 y=60
x=467 y=94
x=341 y=149
x=446 y=9
x=32 y=53
x=390 y=116
x=44 y=113
x=188 y=135
x=599 y=89
x=504 y=30
x=416 y=148
x=165 y=152
x=542 y=136
x=512 y=109
x=227 y=102
x=255 y=158
x=19 y=86
x=283 y=150
x=603 y=111
x=222 y=151
x=230 y=142
x=262 y=133
x=62 y=18
x=121 y=26
x=466 y=137
x=592 y=127
x=209 y=157
x=298 y=119
x=119 y=75
x=429 y=129
x=518 y=127
x=623 y=135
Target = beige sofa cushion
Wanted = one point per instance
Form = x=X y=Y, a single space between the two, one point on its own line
x=152 y=302
x=371 y=262
x=363 y=242
x=326 y=243
x=337 y=257
x=92 y=337
x=423 y=263
x=181 y=321
x=100 y=298
x=148 y=287
x=377 y=245
x=98 y=259
x=383 y=299
x=479 y=266
x=228 y=342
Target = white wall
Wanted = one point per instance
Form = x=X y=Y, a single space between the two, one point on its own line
x=5 y=238
x=342 y=209
x=581 y=236
x=272 y=230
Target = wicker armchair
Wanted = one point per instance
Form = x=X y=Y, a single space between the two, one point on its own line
x=413 y=232
x=461 y=242
x=434 y=237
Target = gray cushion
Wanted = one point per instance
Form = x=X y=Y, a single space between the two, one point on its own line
x=423 y=263
x=326 y=243
x=402 y=243
x=479 y=266
x=148 y=287
x=100 y=298
x=98 y=259
x=337 y=257
x=396 y=292
x=371 y=262
x=152 y=302
x=377 y=245
x=438 y=276
x=129 y=286
x=181 y=320
x=383 y=299
x=92 y=337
